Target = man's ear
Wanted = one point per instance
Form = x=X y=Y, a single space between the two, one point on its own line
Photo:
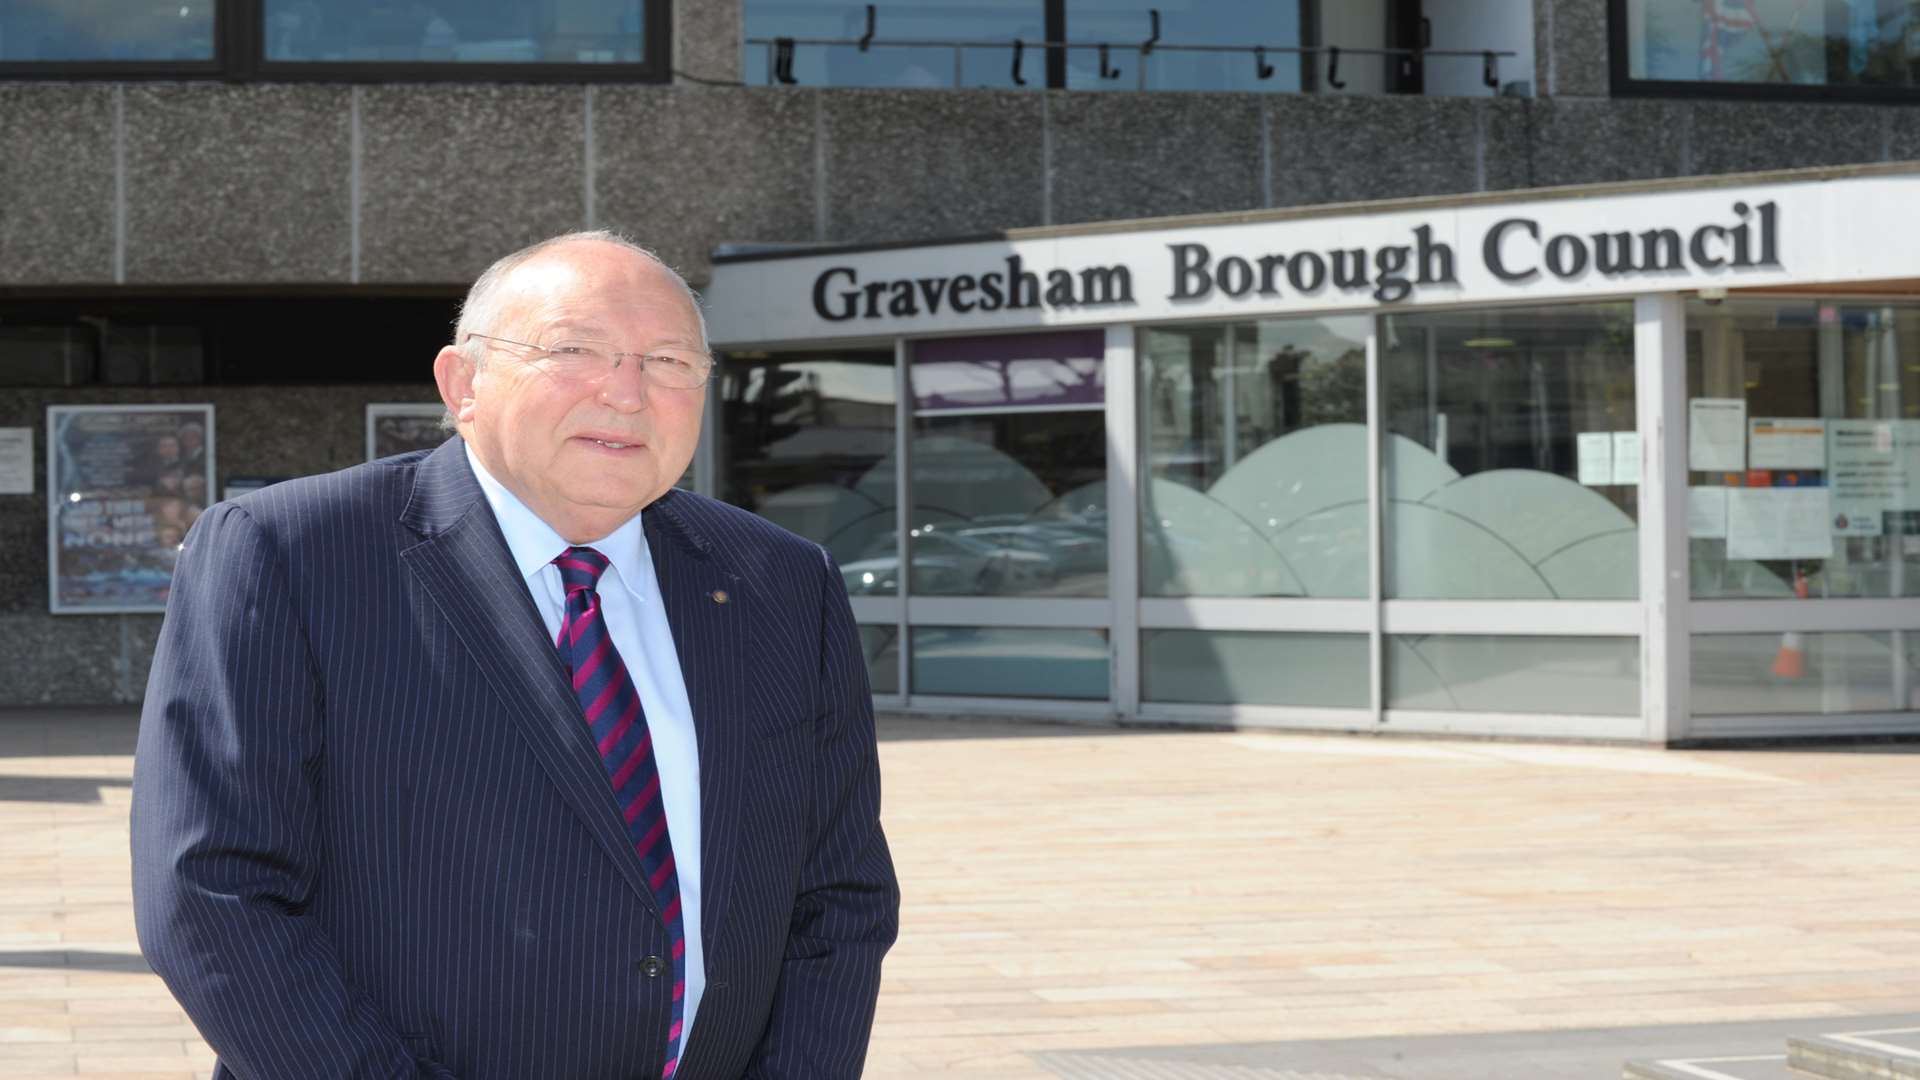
x=454 y=374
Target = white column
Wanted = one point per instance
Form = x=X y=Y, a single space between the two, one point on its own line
x=1660 y=390
x=1376 y=519
x=1124 y=480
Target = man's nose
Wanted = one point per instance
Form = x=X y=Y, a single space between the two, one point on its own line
x=626 y=387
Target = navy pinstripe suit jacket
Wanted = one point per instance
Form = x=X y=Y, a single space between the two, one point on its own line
x=373 y=838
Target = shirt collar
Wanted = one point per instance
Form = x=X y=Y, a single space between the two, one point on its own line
x=535 y=544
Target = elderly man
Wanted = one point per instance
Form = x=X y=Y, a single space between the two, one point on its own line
x=509 y=760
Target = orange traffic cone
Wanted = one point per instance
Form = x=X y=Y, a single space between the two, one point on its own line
x=1790 y=662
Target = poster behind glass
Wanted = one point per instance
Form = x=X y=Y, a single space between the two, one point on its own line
x=124 y=482
x=397 y=429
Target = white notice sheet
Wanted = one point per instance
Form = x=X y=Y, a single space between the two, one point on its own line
x=1717 y=435
x=1781 y=443
x=1707 y=513
x=1778 y=523
x=1626 y=458
x=1595 y=450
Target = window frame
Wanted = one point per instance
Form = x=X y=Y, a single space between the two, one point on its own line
x=1623 y=85
x=239 y=55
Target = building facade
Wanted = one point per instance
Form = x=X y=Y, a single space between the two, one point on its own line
x=254 y=209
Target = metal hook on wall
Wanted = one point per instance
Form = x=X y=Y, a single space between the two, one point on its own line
x=1107 y=71
x=1490 y=70
x=1019 y=52
x=1146 y=47
x=866 y=39
x=1333 y=68
x=1260 y=66
x=783 y=61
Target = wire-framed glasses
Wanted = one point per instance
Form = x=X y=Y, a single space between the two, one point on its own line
x=586 y=360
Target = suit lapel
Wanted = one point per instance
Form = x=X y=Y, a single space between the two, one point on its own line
x=463 y=563
x=710 y=612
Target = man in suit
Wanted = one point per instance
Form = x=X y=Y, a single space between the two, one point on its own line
x=508 y=760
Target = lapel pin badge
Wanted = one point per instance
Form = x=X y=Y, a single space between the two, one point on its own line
x=719 y=596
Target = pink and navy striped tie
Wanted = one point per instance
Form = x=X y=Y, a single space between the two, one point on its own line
x=612 y=706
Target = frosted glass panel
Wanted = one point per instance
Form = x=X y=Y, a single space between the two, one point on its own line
x=1206 y=667
x=1588 y=676
x=985 y=661
x=1836 y=672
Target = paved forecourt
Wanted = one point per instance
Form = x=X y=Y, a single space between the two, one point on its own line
x=1088 y=901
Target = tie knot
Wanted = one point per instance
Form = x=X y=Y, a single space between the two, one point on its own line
x=580 y=567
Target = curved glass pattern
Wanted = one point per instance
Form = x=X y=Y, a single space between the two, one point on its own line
x=1512 y=462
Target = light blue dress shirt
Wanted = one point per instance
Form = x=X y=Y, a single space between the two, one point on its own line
x=637 y=619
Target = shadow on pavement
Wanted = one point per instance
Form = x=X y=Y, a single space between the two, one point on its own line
x=72 y=790
x=74 y=959
x=68 y=730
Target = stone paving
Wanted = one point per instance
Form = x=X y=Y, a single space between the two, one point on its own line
x=1089 y=901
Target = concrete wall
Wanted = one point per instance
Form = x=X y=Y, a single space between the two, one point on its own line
x=97 y=659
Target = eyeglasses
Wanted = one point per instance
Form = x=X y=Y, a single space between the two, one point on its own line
x=584 y=360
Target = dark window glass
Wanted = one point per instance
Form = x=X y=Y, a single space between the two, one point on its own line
x=463 y=32
x=82 y=30
x=807 y=442
x=887 y=63
x=1009 y=461
x=1778 y=42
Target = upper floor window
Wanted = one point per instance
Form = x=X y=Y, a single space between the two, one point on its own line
x=1370 y=46
x=110 y=30
x=552 y=40
x=1768 y=48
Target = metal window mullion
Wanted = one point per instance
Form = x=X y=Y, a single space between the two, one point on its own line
x=1376 y=549
x=1660 y=397
x=903 y=508
x=1125 y=483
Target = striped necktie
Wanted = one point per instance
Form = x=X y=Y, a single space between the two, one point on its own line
x=612 y=707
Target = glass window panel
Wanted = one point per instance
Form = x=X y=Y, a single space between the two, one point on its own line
x=976 y=661
x=1124 y=24
x=80 y=30
x=472 y=31
x=1008 y=501
x=1783 y=42
x=1834 y=512
x=1586 y=676
x=1750 y=674
x=1253 y=437
x=1512 y=460
x=1209 y=667
x=807 y=441
x=882 y=647
x=891 y=65
x=48 y=355
x=1012 y=370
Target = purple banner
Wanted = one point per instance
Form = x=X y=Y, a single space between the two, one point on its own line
x=1025 y=371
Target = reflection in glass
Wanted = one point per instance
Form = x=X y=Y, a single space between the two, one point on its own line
x=456 y=31
x=1512 y=459
x=1834 y=43
x=1818 y=673
x=1183 y=22
x=1850 y=373
x=1010 y=499
x=1583 y=676
x=130 y=30
x=1217 y=667
x=899 y=20
x=806 y=441
x=882 y=647
x=975 y=661
x=1253 y=441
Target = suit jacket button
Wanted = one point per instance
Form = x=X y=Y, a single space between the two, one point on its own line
x=653 y=967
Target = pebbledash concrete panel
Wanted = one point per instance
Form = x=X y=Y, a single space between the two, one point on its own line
x=23 y=552
x=1729 y=137
x=1345 y=149
x=1570 y=48
x=237 y=183
x=706 y=39
x=453 y=177
x=1588 y=142
x=1122 y=154
x=56 y=184
x=684 y=170
x=905 y=164
x=64 y=660
x=1503 y=143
